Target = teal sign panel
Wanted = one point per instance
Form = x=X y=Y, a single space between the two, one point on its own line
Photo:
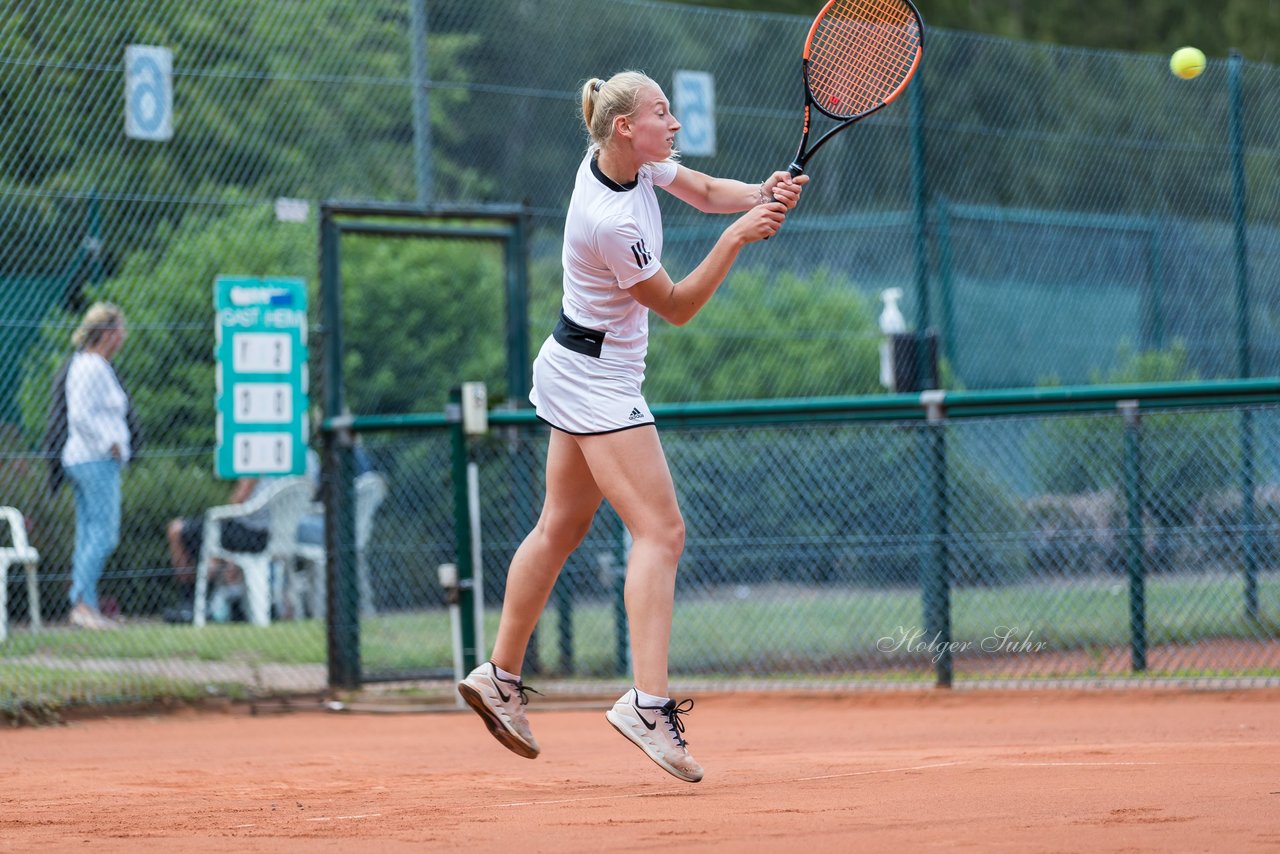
x=262 y=382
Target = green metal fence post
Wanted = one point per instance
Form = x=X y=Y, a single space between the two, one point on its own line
x=564 y=625
x=516 y=252
x=920 y=192
x=1153 y=311
x=1239 y=199
x=421 y=101
x=331 y=314
x=1134 y=548
x=342 y=623
x=946 y=296
x=524 y=482
x=935 y=566
x=621 y=634
x=471 y=656
x=1248 y=515
x=93 y=240
x=1235 y=144
x=523 y=485
x=342 y=590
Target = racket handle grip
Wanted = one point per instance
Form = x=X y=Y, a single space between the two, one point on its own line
x=795 y=170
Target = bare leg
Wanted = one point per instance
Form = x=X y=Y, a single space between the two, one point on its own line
x=178 y=557
x=569 y=506
x=637 y=482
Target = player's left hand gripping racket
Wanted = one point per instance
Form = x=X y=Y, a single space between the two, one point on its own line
x=859 y=56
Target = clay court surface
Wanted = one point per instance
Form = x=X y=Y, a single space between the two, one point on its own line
x=1156 y=770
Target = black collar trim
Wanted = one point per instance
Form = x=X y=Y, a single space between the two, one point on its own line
x=609 y=182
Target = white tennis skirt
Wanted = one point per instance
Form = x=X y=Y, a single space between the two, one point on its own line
x=584 y=395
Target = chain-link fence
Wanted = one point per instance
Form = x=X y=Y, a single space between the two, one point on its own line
x=1069 y=546
x=1090 y=545
x=1057 y=215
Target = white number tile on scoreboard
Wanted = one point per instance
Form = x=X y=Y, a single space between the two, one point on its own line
x=263 y=403
x=261 y=353
x=267 y=453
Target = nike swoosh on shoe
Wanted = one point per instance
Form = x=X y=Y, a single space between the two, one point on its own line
x=643 y=720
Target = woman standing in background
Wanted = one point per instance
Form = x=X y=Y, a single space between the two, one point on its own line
x=98 y=446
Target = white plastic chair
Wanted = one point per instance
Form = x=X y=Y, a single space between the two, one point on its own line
x=21 y=553
x=371 y=489
x=286 y=500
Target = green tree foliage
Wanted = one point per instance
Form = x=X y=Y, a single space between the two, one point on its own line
x=418 y=316
x=264 y=93
x=1252 y=26
x=521 y=50
x=767 y=335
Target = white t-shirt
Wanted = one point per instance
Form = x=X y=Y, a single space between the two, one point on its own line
x=612 y=240
x=97 y=411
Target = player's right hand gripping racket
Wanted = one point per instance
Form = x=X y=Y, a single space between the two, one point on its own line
x=859 y=56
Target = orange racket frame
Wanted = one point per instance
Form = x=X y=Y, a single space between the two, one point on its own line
x=859 y=56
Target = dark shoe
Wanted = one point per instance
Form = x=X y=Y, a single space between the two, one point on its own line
x=179 y=614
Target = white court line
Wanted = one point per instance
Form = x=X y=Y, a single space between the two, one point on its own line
x=1072 y=764
x=618 y=797
x=345 y=817
x=875 y=771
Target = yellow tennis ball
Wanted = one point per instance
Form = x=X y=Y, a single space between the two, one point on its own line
x=1187 y=62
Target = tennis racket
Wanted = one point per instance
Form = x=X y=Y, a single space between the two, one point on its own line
x=859 y=56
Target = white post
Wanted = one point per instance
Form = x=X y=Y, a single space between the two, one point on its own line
x=448 y=574
x=477 y=569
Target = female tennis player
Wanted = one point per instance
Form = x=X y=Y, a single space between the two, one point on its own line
x=586 y=385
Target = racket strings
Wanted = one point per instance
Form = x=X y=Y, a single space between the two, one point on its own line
x=861 y=53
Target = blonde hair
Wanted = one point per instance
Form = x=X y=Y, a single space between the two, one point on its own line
x=101 y=318
x=605 y=100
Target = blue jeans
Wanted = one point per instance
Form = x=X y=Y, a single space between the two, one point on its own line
x=97 y=490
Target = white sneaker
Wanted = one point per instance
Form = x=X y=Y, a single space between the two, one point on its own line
x=84 y=617
x=500 y=704
x=658 y=731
